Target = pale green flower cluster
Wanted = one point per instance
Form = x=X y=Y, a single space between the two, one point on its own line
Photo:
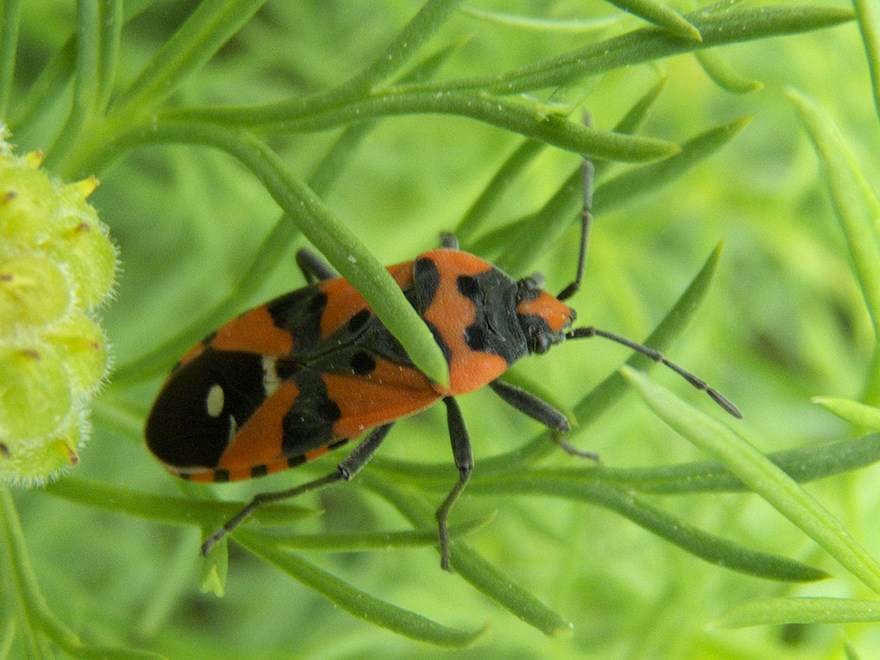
x=57 y=266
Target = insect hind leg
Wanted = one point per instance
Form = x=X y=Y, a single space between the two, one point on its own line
x=345 y=471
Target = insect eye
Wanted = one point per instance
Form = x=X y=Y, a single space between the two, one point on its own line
x=540 y=343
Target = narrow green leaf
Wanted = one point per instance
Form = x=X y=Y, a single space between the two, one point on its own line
x=725 y=76
x=402 y=48
x=710 y=548
x=637 y=182
x=662 y=16
x=857 y=414
x=356 y=602
x=339 y=244
x=361 y=541
x=164 y=509
x=28 y=598
x=868 y=14
x=857 y=207
x=613 y=387
x=472 y=567
x=48 y=89
x=521 y=157
x=718 y=25
x=557 y=214
x=567 y=199
x=762 y=476
x=781 y=611
x=802 y=464
x=273 y=248
x=527 y=117
x=570 y=26
x=489 y=580
x=638 y=113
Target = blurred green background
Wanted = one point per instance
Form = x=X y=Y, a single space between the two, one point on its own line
x=784 y=321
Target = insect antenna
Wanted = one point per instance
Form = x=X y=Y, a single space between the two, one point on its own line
x=657 y=356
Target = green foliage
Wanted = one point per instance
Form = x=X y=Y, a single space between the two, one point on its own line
x=371 y=127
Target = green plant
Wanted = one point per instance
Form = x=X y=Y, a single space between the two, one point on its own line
x=459 y=122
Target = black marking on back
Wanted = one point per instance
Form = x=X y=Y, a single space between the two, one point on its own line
x=438 y=337
x=180 y=431
x=362 y=363
x=358 y=321
x=468 y=286
x=496 y=328
x=300 y=312
x=286 y=368
x=309 y=422
x=426 y=282
x=358 y=354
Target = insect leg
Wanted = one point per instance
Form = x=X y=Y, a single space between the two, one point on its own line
x=345 y=471
x=313 y=267
x=541 y=411
x=461 y=453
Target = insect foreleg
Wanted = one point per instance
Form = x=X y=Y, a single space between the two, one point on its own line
x=541 y=411
x=313 y=267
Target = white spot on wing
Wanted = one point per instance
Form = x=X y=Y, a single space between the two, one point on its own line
x=214 y=401
x=271 y=381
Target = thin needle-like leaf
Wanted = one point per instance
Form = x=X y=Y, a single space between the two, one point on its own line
x=661 y=16
x=762 y=476
x=707 y=546
x=781 y=611
x=857 y=206
x=357 y=602
x=473 y=568
x=725 y=76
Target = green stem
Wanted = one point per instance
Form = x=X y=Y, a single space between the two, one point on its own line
x=10 y=16
x=85 y=89
x=868 y=13
x=394 y=56
x=204 y=32
x=717 y=25
x=112 y=20
x=527 y=118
